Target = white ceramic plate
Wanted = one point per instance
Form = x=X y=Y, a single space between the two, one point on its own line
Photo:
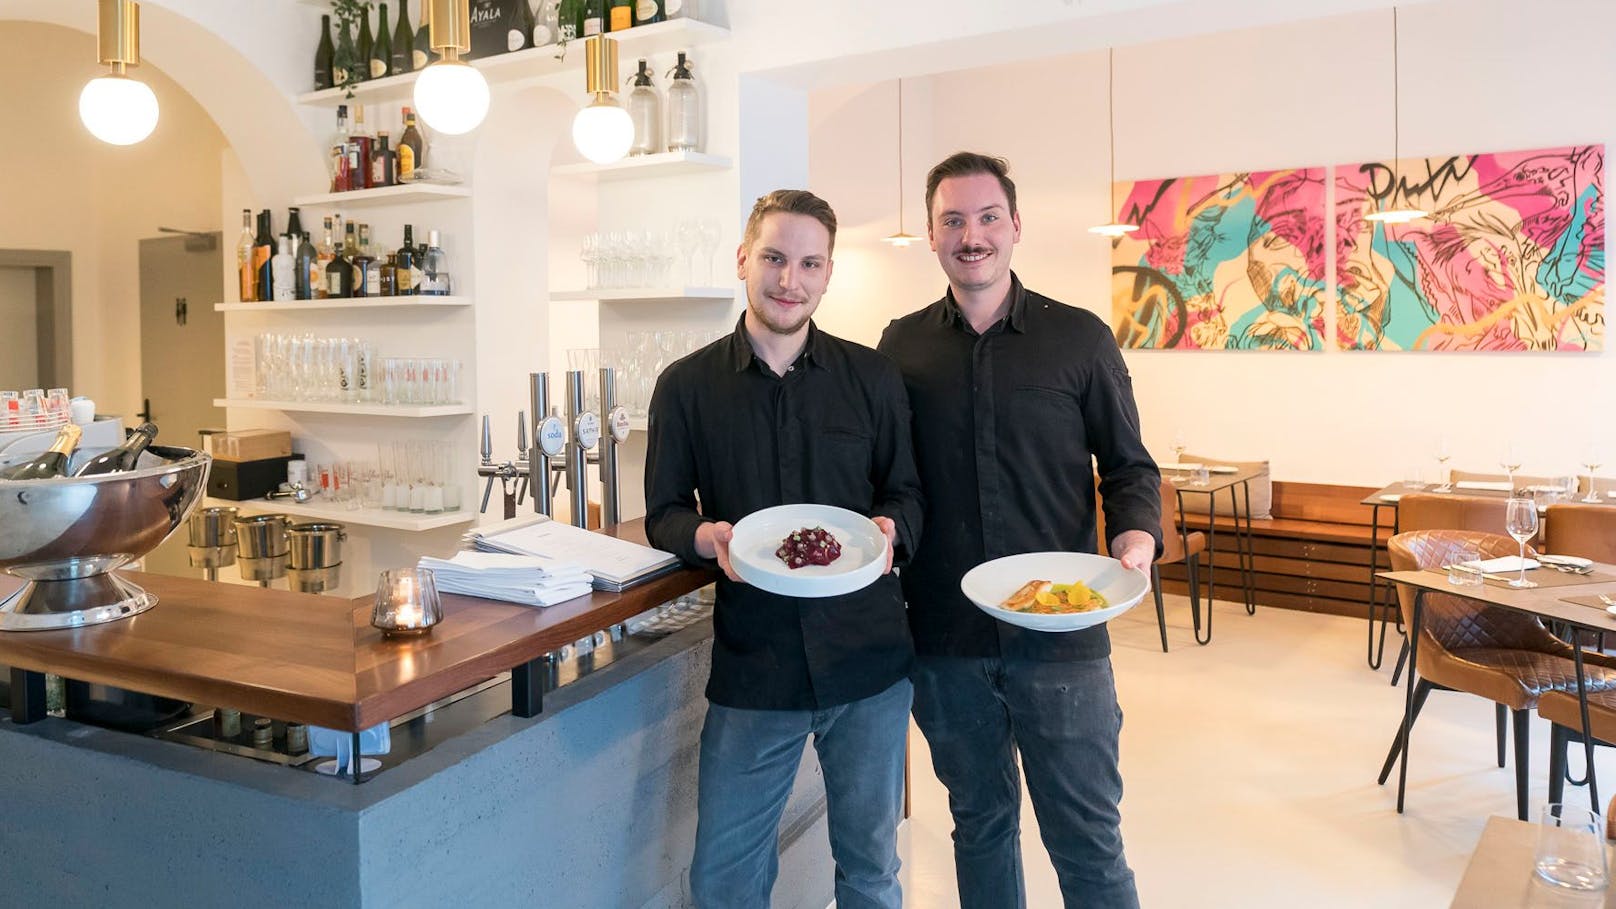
x=1567 y=560
x=988 y=584
x=759 y=534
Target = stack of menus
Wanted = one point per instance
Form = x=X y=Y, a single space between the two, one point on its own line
x=614 y=564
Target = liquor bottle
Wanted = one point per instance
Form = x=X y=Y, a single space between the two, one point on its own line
x=404 y=266
x=345 y=63
x=362 y=140
x=350 y=256
x=339 y=152
x=645 y=109
x=323 y=55
x=569 y=20
x=621 y=15
x=323 y=254
x=647 y=12
x=294 y=226
x=124 y=457
x=283 y=270
x=684 y=109
x=519 y=27
x=422 y=49
x=263 y=251
x=594 y=17
x=367 y=266
x=389 y=276
x=244 y=259
x=381 y=162
x=434 y=268
x=366 y=41
x=547 y=23
x=50 y=463
x=403 y=60
x=410 y=149
x=339 y=273
x=307 y=277
x=381 y=52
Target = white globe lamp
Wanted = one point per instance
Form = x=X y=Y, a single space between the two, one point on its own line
x=451 y=96
x=118 y=110
x=603 y=131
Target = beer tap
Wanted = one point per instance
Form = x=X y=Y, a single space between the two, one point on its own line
x=505 y=471
x=584 y=427
x=617 y=429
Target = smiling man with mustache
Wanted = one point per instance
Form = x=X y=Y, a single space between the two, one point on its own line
x=1014 y=396
x=779 y=412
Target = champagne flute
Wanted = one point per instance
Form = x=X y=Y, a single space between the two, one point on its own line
x=1178 y=455
x=1520 y=520
x=1442 y=455
x=1591 y=460
x=1510 y=460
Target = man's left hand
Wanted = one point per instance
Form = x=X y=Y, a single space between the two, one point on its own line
x=1135 y=549
x=891 y=530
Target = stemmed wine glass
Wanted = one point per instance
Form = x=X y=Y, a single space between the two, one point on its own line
x=1591 y=460
x=708 y=243
x=689 y=234
x=1520 y=520
x=1442 y=455
x=1178 y=447
x=1510 y=460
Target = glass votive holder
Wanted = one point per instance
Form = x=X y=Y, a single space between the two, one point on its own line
x=407 y=602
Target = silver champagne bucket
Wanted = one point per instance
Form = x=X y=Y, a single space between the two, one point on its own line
x=316 y=556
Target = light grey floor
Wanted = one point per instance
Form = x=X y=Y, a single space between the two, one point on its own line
x=1250 y=770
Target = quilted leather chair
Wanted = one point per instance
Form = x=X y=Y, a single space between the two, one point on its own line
x=1581 y=530
x=1178 y=545
x=1506 y=657
x=1588 y=531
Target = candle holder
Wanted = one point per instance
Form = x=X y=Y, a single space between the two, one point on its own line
x=407 y=603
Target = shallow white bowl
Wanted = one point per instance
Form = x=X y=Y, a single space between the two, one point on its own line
x=759 y=534
x=988 y=584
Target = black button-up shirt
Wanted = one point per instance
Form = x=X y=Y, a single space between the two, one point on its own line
x=1006 y=423
x=728 y=437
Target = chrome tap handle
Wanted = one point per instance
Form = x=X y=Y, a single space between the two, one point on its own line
x=487 y=450
x=521 y=436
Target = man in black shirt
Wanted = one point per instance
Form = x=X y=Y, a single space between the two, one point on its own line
x=1013 y=395
x=779 y=412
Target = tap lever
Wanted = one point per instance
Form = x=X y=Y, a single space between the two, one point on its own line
x=521 y=435
x=488 y=442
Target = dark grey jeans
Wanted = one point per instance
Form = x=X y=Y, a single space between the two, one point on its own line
x=1064 y=720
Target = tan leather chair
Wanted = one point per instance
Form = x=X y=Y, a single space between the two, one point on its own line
x=1178 y=545
x=1421 y=511
x=1560 y=709
x=1521 y=479
x=1581 y=530
x=1506 y=657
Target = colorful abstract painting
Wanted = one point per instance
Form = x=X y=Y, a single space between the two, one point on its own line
x=1510 y=258
x=1228 y=262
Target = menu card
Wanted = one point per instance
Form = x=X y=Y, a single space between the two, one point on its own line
x=614 y=564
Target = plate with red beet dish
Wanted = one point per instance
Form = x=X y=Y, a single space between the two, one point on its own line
x=808 y=550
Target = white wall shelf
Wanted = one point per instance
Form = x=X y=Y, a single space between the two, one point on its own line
x=387 y=195
x=345 y=303
x=363 y=410
x=535 y=63
x=667 y=164
x=366 y=517
x=646 y=294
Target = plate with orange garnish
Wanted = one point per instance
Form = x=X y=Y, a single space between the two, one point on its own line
x=1054 y=591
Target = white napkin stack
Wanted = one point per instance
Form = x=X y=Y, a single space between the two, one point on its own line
x=527 y=579
x=1501 y=565
x=1484 y=485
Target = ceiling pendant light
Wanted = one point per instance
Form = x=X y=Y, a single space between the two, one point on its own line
x=451 y=95
x=900 y=239
x=603 y=130
x=1112 y=229
x=1396 y=215
x=117 y=109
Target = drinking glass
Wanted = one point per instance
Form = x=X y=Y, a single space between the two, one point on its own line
x=1442 y=455
x=1201 y=476
x=1510 y=460
x=1520 y=520
x=1458 y=575
x=689 y=233
x=1591 y=462
x=708 y=243
x=1571 y=848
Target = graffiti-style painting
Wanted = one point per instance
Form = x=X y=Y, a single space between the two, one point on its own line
x=1229 y=262
x=1511 y=256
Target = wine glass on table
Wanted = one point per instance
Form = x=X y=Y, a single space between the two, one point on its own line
x=1591 y=461
x=1510 y=460
x=1178 y=456
x=1442 y=455
x=1520 y=520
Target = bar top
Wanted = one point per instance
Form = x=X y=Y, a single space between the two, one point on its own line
x=315 y=659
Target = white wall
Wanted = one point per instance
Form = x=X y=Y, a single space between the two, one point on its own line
x=1476 y=76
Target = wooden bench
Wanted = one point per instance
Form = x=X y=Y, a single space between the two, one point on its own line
x=1312 y=555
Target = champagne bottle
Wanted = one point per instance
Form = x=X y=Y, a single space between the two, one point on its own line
x=323 y=55
x=263 y=251
x=410 y=148
x=621 y=15
x=345 y=62
x=546 y=23
x=647 y=12
x=366 y=41
x=594 y=17
x=52 y=462
x=244 y=259
x=403 y=60
x=381 y=52
x=519 y=27
x=423 y=40
x=570 y=21
x=124 y=456
x=307 y=279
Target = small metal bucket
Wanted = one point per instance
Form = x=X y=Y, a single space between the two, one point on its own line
x=316 y=559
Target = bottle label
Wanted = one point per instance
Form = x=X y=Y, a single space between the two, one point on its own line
x=248 y=285
x=622 y=17
x=672 y=7
x=333 y=284
x=592 y=26
x=513 y=40
x=647 y=10
x=339 y=75
x=378 y=68
x=542 y=36
x=569 y=32
x=586 y=430
x=406 y=162
x=420 y=59
x=373 y=280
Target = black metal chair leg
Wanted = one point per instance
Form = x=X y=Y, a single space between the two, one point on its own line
x=1559 y=745
x=1523 y=736
x=1422 y=690
x=1161 y=612
x=1502 y=714
x=1195 y=602
x=1402 y=657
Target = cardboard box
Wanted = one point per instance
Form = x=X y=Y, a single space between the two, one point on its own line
x=238 y=480
x=251 y=444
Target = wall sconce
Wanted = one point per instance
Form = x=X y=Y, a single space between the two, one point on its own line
x=450 y=94
x=115 y=108
x=602 y=131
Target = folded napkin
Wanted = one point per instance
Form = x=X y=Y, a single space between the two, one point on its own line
x=1501 y=565
x=377 y=739
x=1187 y=465
x=1484 y=485
x=526 y=579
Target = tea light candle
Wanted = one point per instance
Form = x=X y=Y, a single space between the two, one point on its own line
x=408 y=616
x=407 y=603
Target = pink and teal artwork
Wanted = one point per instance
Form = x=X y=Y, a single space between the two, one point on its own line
x=1226 y=262
x=1510 y=258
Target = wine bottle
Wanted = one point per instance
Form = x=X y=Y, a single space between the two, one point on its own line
x=294 y=226
x=124 y=457
x=570 y=20
x=344 y=63
x=263 y=251
x=546 y=23
x=594 y=17
x=404 y=270
x=366 y=274
x=350 y=256
x=675 y=9
x=50 y=463
x=519 y=26
x=381 y=162
x=381 y=51
x=403 y=60
x=621 y=15
x=647 y=12
x=283 y=270
x=361 y=68
x=323 y=55
x=307 y=277
x=423 y=40
x=410 y=149
x=244 y=259
x=339 y=272
x=434 y=268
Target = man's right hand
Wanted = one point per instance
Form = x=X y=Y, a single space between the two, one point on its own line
x=712 y=542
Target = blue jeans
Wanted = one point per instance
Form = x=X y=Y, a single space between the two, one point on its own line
x=749 y=759
x=1064 y=719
